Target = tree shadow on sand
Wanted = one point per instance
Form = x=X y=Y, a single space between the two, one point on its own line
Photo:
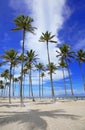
x=34 y=119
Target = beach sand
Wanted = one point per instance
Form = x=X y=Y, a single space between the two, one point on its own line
x=42 y=115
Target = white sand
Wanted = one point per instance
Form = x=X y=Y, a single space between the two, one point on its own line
x=42 y=115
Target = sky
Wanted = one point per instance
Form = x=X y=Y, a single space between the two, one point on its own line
x=64 y=18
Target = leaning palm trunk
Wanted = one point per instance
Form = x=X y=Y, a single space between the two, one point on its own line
x=50 y=72
x=21 y=98
x=70 y=79
x=64 y=81
x=82 y=75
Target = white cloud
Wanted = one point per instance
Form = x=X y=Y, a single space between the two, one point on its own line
x=48 y=15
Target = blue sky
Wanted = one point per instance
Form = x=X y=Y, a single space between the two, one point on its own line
x=64 y=18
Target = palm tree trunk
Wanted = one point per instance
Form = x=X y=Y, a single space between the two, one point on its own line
x=13 y=83
x=23 y=85
x=70 y=79
x=1 y=92
x=10 y=85
x=42 y=86
x=48 y=53
x=13 y=89
x=53 y=95
x=31 y=86
x=64 y=81
x=5 y=88
x=39 y=85
x=50 y=71
x=82 y=72
x=21 y=97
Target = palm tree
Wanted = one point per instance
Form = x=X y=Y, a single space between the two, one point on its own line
x=8 y=84
x=63 y=65
x=42 y=75
x=47 y=37
x=39 y=67
x=65 y=54
x=5 y=75
x=31 y=59
x=15 y=81
x=51 y=68
x=80 y=57
x=24 y=73
x=14 y=64
x=1 y=86
x=10 y=56
x=29 y=70
x=23 y=23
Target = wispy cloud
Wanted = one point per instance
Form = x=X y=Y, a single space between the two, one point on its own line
x=21 y=6
x=6 y=38
x=80 y=44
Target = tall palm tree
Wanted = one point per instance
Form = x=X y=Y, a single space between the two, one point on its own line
x=23 y=23
x=31 y=59
x=10 y=56
x=42 y=75
x=39 y=67
x=80 y=57
x=51 y=68
x=66 y=54
x=63 y=65
x=47 y=37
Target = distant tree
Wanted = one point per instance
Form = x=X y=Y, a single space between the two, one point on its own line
x=31 y=59
x=10 y=56
x=16 y=80
x=66 y=54
x=39 y=67
x=51 y=68
x=80 y=57
x=5 y=75
x=42 y=75
x=1 y=86
x=63 y=65
x=47 y=37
